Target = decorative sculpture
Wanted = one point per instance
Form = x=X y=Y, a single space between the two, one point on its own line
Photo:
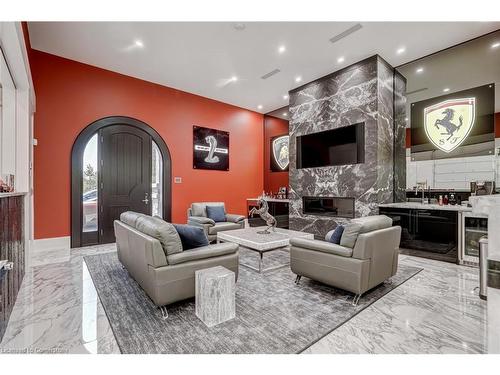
x=263 y=212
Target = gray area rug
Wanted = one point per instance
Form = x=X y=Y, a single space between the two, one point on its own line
x=273 y=315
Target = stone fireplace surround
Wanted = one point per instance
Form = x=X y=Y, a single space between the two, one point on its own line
x=369 y=91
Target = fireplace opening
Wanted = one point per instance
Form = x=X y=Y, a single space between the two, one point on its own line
x=328 y=206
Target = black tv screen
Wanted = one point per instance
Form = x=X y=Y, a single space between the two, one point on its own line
x=341 y=146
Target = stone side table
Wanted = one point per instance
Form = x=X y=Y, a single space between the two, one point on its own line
x=215 y=295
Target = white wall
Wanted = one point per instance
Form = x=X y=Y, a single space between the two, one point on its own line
x=19 y=157
x=453 y=173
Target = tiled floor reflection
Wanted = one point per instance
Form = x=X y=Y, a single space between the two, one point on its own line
x=437 y=311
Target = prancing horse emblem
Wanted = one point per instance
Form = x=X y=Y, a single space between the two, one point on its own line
x=448 y=123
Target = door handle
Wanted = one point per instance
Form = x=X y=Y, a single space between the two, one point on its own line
x=6 y=265
x=146 y=200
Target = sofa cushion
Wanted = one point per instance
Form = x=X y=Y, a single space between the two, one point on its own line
x=216 y=213
x=323 y=246
x=220 y=227
x=162 y=231
x=191 y=236
x=335 y=235
x=130 y=217
x=363 y=225
x=205 y=252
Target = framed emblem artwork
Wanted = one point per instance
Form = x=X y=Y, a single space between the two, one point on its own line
x=279 y=153
x=210 y=149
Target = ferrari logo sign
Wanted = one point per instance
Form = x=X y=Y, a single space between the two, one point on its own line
x=280 y=151
x=448 y=123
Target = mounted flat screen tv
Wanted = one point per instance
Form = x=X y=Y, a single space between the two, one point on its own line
x=340 y=146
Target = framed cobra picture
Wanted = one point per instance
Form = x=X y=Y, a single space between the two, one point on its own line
x=210 y=149
x=279 y=153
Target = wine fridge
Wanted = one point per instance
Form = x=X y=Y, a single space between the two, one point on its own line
x=473 y=228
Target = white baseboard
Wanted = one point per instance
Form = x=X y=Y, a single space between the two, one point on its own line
x=52 y=243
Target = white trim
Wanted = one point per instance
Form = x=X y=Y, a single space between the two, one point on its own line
x=51 y=243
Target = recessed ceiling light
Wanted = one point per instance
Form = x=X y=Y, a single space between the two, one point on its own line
x=281 y=49
x=340 y=59
x=406 y=118
x=495 y=45
x=259 y=106
x=285 y=114
x=446 y=89
x=298 y=79
x=139 y=43
x=239 y=26
x=234 y=79
x=285 y=97
x=420 y=70
x=401 y=50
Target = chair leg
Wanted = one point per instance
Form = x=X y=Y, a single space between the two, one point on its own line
x=164 y=312
x=297 y=279
x=356 y=299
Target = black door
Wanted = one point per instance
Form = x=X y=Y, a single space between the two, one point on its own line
x=125 y=175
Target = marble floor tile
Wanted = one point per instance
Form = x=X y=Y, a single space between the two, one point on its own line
x=437 y=311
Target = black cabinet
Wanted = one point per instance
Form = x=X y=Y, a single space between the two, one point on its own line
x=279 y=209
x=11 y=249
x=427 y=233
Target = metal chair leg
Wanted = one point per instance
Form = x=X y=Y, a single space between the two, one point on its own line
x=297 y=279
x=164 y=312
x=356 y=299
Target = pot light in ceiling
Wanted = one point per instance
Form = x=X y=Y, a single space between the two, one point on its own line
x=285 y=97
x=234 y=79
x=281 y=49
x=401 y=50
x=285 y=114
x=239 y=26
x=138 y=43
x=259 y=106
x=446 y=89
x=341 y=59
x=420 y=70
x=495 y=45
x=298 y=79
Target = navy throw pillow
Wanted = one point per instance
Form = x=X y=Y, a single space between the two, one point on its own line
x=337 y=235
x=191 y=236
x=216 y=213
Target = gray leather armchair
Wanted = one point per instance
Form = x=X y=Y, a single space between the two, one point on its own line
x=197 y=216
x=151 y=251
x=366 y=257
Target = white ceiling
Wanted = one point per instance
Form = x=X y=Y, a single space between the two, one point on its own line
x=465 y=66
x=202 y=57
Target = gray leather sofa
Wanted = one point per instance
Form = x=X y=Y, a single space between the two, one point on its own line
x=366 y=257
x=151 y=251
x=197 y=216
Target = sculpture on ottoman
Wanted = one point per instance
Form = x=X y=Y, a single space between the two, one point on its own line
x=263 y=212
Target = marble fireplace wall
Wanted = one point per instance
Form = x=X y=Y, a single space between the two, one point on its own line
x=363 y=92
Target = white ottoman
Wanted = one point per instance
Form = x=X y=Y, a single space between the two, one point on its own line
x=215 y=295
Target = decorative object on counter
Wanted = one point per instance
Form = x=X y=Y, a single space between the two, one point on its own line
x=7 y=184
x=210 y=149
x=282 y=192
x=445 y=199
x=440 y=200
x=263 y=212
x=452 y=200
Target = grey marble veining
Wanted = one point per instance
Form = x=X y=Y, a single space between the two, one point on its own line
x=360 y=93
x=437 y=311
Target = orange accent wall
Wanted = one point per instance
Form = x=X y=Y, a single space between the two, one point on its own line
x=273 y=127
x=70 y=95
